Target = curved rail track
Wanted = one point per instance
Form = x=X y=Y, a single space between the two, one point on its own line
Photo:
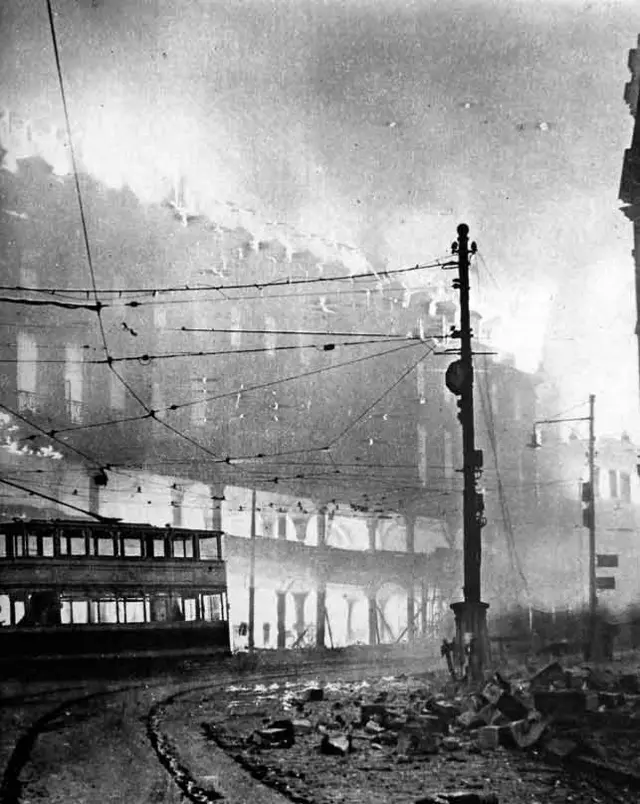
x=149 y=701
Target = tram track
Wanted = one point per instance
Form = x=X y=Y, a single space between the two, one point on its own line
x=147 y=706
x=12 y=785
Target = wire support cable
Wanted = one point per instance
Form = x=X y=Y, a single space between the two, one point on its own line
x=276 y=283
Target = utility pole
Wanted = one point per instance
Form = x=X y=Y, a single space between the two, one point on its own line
x=252 y=575
x=588 y=517
x=472 y=638
x=591 y=524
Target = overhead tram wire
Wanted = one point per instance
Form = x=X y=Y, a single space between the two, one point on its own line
x=242 y=389
x=153 y=414
x=144 y=358
x=53 y=435
x=379 y=399
x=219 y=287
x=57 y=501
x=94 y=288
x=149 y=412
x=487 y=410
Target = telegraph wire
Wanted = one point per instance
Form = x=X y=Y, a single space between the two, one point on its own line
x=52 y=303
x=316 y=332
x=146 y=358
x=49 y=434
x=85 y=233
x=219 y=287
x=487 y=410
x=33 y=492
x=241 y=390
x=379 y=399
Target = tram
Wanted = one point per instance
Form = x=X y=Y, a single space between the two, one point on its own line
x=70 y=588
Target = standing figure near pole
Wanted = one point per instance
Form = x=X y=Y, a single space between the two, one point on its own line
x=472 y=639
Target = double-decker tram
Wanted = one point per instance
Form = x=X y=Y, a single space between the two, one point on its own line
x=73 y=588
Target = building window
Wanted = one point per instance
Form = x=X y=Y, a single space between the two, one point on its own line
x=117 y=392
x=448 y=456
x=236 y=327
x=73 y=381
x=613 y=483
x=422 y=454
x=27 y=372
x=517 y=405
x=270 y=337
x=625 y=487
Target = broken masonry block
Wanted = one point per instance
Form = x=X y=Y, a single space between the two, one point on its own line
x=523 y=733
x=336 y=745
x=551 y=673
x=472 y=720
x=558 y=749
x=459 y=797
x=629 y=683
x=430 y=723
x=492 y=692
x=447 y=711
x=610 y=700
x=302 y=726
x=374 y=710
x=417 y=743
x=560 y=703
x=278 y=733
x=489 y=737
x=511 y=707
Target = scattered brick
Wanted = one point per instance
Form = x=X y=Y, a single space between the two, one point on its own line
x=511 y=707
x=489 y=737
x=560 y=703
x=552 y=673
x=336 y=745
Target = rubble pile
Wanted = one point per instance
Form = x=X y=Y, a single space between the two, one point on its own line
x=399 y=736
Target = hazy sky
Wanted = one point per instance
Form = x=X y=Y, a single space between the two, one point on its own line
x=384 y=124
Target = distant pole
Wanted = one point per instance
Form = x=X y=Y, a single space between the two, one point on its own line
x=471 y=627
x=252 y=575
x=593 y=594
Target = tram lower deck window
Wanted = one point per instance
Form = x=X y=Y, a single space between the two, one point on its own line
x=132 y=548
x=105 y=547
x=3 y=545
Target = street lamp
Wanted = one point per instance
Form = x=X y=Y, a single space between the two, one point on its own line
x=589 y=514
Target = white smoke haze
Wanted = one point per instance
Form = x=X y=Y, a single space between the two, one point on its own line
x=379 y=125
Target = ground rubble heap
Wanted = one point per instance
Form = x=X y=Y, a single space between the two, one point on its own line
x=552 y=715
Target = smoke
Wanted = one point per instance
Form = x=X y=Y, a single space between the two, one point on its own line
x=380 y=125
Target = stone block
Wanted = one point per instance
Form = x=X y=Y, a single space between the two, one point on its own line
x=302 y=726
x=560 y=703
x=511 y=707
x=458 y=797
x=489 y=737
x=430 y=723
x=610 y=700
x=558 y=749
x=417 y=743
x=523 y=733
x=336 y=745
x=629 y=683
x=551 y=673
x=377 y=711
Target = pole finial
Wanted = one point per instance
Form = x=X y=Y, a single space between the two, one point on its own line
x=463 y=230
